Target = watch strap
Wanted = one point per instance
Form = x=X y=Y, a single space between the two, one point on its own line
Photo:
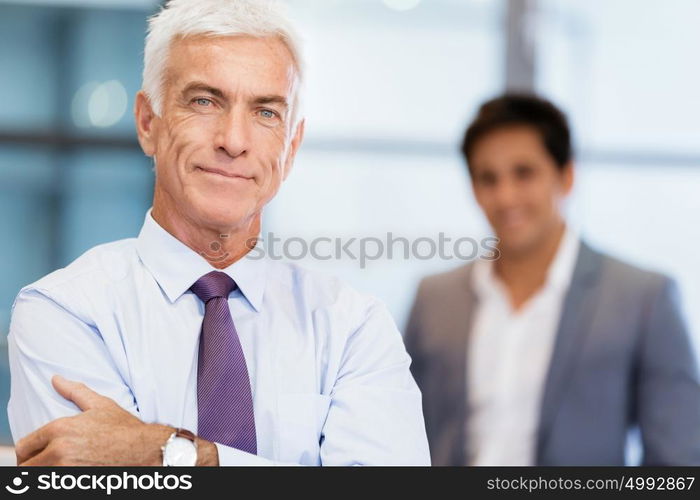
x=184 y=433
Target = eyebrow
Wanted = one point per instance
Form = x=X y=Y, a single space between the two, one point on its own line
x=203 y=87
x=271 y=99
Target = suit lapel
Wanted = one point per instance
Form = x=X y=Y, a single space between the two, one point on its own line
x=577 y=312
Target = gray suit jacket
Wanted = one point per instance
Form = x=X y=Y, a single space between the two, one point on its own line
x=622 y=357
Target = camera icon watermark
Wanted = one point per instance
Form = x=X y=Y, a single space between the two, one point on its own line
x=17 y=488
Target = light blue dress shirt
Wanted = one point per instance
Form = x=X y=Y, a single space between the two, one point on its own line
x=329 y=372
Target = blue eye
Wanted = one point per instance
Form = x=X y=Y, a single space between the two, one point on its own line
x=266 y=113
x=201 y=101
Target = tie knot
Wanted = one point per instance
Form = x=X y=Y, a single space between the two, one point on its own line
x=213 y=284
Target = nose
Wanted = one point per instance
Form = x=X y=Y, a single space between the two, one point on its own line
x=233 y=135
x=505 y=192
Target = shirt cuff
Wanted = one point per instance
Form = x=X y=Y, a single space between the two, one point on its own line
x=231 y=456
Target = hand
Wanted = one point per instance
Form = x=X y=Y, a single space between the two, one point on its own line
x=104 y=434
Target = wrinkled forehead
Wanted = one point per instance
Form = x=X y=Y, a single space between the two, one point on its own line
x=239 y=63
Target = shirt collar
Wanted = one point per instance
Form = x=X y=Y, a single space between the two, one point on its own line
x=559 y=273
x=176 y=267
x=484 y=280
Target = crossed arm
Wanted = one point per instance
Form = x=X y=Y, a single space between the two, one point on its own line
x=103 y=434
x=375 y=416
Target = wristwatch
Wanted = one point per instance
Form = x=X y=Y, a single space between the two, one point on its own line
x=180 y=450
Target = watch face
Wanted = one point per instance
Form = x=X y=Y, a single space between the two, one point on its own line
x=180 y=451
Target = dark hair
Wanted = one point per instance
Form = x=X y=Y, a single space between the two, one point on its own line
x=523 y=109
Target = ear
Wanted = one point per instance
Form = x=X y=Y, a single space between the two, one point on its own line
x=143 y=112
x=567 y=178
x=294 y=147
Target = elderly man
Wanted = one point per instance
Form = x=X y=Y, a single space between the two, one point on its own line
x=175 y=348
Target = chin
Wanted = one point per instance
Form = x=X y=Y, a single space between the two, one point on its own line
x=516 y=242
x=223 y=214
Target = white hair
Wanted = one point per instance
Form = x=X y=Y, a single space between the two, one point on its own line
x=180 y=18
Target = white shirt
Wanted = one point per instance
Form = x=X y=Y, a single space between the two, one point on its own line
x=508 y=358
x=328 y=369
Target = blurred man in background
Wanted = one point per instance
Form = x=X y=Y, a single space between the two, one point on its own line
x=550 y=354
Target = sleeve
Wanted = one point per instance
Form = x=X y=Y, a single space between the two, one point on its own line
x=669 y=386
x=375 y=416
x=46 y=339
x=233 y=457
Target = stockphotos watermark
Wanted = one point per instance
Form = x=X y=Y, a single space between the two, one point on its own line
x=362 y=249
x=106 y=483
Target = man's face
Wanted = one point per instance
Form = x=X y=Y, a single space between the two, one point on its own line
x=225 y=140
x=518 y=186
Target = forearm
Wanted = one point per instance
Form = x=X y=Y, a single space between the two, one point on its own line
x=154 y=437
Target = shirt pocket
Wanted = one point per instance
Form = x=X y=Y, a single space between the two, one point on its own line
x=301 y=418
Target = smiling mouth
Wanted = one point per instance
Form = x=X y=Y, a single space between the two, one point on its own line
x=222 y=173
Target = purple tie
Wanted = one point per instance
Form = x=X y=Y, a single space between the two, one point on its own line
x=223 y=388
